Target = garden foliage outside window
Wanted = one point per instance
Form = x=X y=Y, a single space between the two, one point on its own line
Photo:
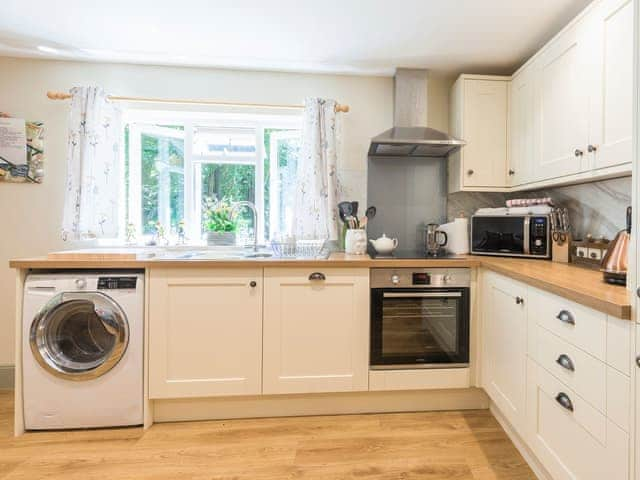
x=178 y=162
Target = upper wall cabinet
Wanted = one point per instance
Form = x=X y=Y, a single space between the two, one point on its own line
x=611 y=61
x=521 y=133
x=584 y=96
x=479 y=115
x=569 y=108
x=562 y=104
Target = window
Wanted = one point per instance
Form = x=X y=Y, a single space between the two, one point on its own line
x=177 y=161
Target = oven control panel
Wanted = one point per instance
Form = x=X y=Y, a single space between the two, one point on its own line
x=420 y=278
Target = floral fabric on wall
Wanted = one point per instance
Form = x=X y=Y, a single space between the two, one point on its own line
x=316 y=214
x=93 y=182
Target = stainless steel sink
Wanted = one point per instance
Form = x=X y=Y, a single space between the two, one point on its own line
x=258 y=255
x=203 y=253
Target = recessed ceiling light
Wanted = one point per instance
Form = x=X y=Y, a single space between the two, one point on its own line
x=45 y=49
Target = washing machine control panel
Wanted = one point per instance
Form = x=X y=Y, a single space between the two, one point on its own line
x=117 y=283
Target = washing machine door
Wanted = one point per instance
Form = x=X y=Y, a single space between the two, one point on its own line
x=79 y=336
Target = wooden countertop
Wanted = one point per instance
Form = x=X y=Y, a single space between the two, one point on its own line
x=581 y=285
x=575 y=283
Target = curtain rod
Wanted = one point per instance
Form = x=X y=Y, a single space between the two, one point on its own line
x=65 y=96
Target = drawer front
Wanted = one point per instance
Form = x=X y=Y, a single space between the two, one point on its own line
x=618 y=398
x=585 y=374
x=581 y=326
x=572 y=444
x=619 y=334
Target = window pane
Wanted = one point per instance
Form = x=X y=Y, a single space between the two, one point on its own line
x=162 y=182
x=234 y=183
x=224 y=142
x=283 y=147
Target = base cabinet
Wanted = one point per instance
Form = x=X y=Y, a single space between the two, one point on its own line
x=504 y=346
x=205 y=335
x=571 y=438
x=316 y=326
x=559 y=374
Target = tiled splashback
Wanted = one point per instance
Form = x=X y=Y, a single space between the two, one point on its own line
x=597 y=208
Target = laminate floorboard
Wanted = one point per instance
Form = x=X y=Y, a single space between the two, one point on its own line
x=455 y=445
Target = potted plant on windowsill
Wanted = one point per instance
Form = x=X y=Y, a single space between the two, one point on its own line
x=220 y=222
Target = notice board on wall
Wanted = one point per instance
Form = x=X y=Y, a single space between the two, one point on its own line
x=21 y=150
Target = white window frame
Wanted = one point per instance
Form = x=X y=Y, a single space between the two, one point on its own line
x=144 y=121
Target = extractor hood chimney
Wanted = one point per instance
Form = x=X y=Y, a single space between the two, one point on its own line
x=410 y=136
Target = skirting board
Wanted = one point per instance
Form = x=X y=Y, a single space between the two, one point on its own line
x=538 y=469
x=7 y=377
x=318 y=404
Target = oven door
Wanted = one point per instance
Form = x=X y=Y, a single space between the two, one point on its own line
x=419 y=328
x=500 y=235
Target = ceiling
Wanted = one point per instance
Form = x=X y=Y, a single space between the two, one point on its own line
x=368 y=37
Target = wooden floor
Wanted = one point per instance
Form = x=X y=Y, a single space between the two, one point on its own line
x=439 y=445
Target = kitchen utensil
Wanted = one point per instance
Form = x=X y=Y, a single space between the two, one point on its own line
x=356 y=242
x=352 y=222
x=354 y=209
x=435 y=239
x=615 y=263
x=370 y=212
x=384 y=245
x=560 y=235
x=345 y=209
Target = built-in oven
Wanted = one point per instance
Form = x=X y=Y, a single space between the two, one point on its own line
x=419 y=318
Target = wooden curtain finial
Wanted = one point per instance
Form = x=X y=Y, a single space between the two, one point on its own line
x=58 y=95
x=342 y=108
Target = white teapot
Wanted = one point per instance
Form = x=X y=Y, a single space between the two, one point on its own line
x=384 y=245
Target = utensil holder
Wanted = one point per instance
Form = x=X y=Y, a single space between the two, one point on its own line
x=560 y=251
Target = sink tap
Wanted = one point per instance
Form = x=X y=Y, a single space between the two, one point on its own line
x=252 y=207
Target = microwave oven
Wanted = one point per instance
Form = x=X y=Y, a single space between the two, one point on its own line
x=511 y=235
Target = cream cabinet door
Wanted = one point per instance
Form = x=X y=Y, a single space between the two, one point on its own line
x=316 y=330
x=504 y=346
x=485 y=131
x=521 y=128
x=205 y=332
x=571 y=438
x=562 y=105
x=611 y=56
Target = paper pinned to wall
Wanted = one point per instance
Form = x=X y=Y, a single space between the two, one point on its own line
x=13 y=140
x=21 y=150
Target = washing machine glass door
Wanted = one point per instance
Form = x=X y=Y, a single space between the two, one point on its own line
x=79 y=336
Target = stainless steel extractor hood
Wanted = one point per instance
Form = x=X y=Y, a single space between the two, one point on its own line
x=410 y=137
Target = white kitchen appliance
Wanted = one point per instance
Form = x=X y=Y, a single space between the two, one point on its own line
x=82 y=350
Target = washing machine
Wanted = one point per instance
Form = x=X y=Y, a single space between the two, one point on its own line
x=82 y=350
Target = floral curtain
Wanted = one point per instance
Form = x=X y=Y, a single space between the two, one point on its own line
x=316 y=214
x=92 y=190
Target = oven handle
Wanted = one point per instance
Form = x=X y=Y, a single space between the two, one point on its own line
x=422 y=294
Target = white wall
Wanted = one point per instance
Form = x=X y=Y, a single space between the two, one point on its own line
x=31 y=214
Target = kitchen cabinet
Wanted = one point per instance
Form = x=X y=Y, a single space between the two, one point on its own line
x=504 y=345
x=562 y=104
x=479 y=115
x=521 y=130
x=316 y=330
x=569 y=110
x=570 y=437
x=559 y=373
x=205 y=336
x=611 y=57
